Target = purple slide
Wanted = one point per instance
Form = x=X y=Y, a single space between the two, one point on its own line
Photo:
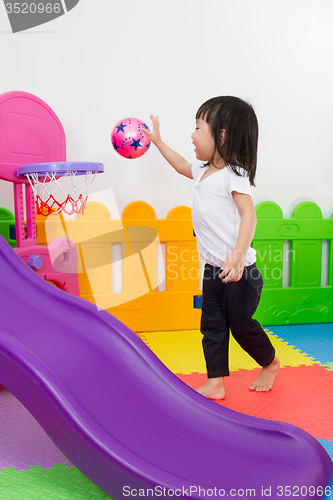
x=124 y=419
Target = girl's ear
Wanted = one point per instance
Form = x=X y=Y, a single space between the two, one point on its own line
x=223 y=136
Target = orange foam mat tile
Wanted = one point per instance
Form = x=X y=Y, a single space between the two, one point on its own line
x=301 y=396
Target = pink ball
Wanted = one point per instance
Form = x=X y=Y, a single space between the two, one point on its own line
x=128 y=138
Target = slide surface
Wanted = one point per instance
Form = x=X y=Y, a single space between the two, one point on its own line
x=123 y=418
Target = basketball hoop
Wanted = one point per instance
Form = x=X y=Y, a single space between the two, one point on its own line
x=62 y=186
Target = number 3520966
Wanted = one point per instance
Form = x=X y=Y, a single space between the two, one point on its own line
x=33 y=8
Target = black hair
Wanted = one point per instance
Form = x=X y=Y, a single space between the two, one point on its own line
x=240 y=123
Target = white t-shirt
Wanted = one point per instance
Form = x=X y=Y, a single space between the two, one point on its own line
x=215 y=215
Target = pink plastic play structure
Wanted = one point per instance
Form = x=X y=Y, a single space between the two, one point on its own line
x=30 y=132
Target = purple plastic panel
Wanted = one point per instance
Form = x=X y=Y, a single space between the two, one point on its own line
x=122 y=417
x=60 y=168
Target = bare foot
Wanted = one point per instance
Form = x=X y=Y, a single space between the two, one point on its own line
x=264 y=381
x=213 y=388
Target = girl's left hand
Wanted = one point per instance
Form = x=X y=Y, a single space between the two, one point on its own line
x=233 y=267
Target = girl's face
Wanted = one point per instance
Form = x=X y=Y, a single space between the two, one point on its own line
x=204 y=144
x=203 y=141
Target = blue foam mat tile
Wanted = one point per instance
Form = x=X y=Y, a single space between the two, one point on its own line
x=315 y=340
x=330 y=496
x=328 y=445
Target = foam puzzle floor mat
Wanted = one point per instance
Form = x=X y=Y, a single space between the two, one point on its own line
x=316 y=340
x=287 y=402
x=32 y=467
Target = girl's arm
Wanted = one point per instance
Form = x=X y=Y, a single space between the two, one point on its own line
x=176 y=161
x=233 y=266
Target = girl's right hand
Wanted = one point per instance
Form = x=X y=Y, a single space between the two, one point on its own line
x=176 y=161
x=233 y=267
x=154 y=135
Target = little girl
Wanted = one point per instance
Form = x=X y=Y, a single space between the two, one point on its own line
x=224 y=220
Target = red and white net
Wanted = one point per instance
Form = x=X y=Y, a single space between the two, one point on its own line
x=67 y=194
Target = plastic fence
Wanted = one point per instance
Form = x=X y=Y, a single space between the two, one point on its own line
x=151 y=282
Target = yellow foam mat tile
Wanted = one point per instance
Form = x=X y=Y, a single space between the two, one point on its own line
x=181 y=352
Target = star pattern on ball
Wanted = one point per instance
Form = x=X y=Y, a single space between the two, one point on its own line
x=136 y=144
x=121 y=127
x=115 y=146
x=128 y=138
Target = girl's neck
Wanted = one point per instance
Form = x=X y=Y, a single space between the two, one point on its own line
x=218 y=163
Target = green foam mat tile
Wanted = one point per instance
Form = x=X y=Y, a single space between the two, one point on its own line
x=329 y=366
x=58 y=483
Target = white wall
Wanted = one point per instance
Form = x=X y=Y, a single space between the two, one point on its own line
x=106 y=60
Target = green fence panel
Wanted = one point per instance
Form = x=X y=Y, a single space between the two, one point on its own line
x=7 y=221
x=306 y=263
x=289 y=255
x=330 y=260
x=269 y=250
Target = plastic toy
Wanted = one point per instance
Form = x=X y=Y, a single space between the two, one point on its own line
x=30 y=132
x=52 y=195
x=300 y=299
x=128 y=139
x=138 y=427
x=7 y=226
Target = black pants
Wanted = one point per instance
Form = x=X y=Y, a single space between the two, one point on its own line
x=231 y=306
